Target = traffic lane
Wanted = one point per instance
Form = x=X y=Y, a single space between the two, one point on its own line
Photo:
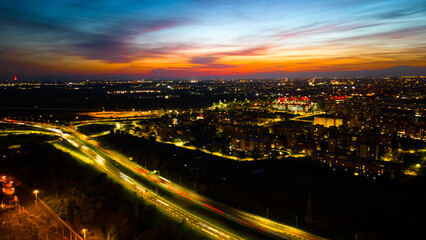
x=192 y=206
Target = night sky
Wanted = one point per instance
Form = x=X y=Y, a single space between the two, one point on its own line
x=207 y=38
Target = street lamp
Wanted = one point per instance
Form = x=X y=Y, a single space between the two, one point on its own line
x=35 y=192
x=84 y=233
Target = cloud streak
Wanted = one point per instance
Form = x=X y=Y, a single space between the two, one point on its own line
x=116 y=44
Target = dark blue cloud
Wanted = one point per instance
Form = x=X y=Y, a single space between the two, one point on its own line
x=115 y=45
x=111 y=42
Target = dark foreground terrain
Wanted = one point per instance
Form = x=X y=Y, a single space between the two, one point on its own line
x=343 y=207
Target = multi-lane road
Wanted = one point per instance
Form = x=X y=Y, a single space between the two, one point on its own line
x=212 y=218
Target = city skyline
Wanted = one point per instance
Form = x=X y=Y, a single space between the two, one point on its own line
x=195 y=38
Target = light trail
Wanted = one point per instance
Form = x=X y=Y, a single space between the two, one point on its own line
x=162 y=204
x=91 y=153
x=213 y=208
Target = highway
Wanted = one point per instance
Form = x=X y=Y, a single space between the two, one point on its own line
x=179 y=203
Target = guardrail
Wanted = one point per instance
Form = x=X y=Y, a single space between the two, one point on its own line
x=73 y=235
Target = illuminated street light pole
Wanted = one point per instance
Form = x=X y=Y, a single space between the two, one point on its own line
x=35 y=192
x=84 y=233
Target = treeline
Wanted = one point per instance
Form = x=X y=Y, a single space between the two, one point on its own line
x=86 y=197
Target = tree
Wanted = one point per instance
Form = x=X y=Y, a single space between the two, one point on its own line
x=113 y=233
x=390 y=156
